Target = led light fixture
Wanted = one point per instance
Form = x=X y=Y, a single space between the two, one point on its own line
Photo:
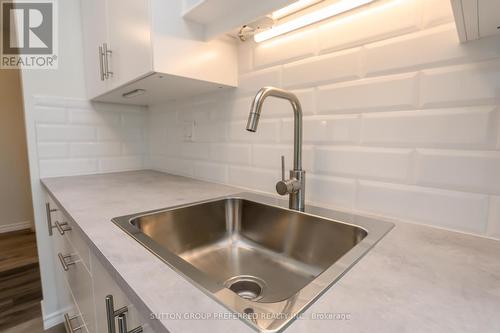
x=309 y=18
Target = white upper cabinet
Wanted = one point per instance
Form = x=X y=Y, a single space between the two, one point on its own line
x=144 y=52
x=476 y=19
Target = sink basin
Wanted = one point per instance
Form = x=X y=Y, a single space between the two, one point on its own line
x=264 y=262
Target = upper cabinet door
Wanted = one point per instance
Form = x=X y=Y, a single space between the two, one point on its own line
x=129 y=36
x=94 y=36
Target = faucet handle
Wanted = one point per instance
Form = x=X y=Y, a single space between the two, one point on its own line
x=283 y=167
x=286 y=186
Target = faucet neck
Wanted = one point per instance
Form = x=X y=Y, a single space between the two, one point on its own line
x=254 y=117
x=297 y=135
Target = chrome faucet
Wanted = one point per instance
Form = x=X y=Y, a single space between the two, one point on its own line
x=295 y=186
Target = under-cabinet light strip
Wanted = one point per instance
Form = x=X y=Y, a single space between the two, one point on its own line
x=310 y=18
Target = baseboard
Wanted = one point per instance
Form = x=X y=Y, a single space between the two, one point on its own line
x=16 y=226
x=53 y=319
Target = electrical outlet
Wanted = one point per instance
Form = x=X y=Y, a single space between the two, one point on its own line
x=188 y=131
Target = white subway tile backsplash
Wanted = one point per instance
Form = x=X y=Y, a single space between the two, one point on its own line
x=199 y=113
x=133 y=119
x=285 y=48
x=211 y=171
x=53 y=150
x=464 y=211
x=90 y=149
x=173 y=165
x=337 y=192
x=194 y=150
x=496 y=126
x=49 y=101
x=494 y=217
x=137 y=148
x=239 y=108
x=454 y=127
x=121 y=163
x=61 y=133
x=119 y=134
x=66 y=167
x=380 y=163
x=267 y=131
x=413 y=51
x=210 y=131
x=106 y=107
x=338 y=129
x=250 y=83
x=50 y=115
x=91 y=117
x=269 y=156
x=231 y=153
x=470 y=84
x=381 y=20
x=171 y=149
x=253 y=178
x=477 y=171
x=389 y=92
x=340 y=66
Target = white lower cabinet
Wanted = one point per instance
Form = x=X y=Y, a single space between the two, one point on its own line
x=89 y=283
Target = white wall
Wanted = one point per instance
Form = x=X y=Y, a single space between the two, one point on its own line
x=15 y=198
x=400 y=119
x=67 y=135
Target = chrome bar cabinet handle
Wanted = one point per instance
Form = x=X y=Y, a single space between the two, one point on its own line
x=63 y=259
x=122 y=325
x=62 y=227
x=49 y=217
x=101 y=63
x=111 y=313
x=106 y=53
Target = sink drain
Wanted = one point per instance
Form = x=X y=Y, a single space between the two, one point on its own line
x=246 y=286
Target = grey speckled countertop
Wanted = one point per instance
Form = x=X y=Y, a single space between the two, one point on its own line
x=417 y=279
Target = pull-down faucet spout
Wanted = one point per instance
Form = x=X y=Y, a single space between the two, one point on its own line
x=295 y=186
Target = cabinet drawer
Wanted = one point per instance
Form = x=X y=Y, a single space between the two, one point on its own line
x=79 y=280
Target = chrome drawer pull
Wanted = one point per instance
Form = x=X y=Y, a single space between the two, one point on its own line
x=102 y=75
x=111 y=313
x=49 y=217
x=64 y=262
x=122 y=325
x=62 y=227
x=67 y=324
x=106 y=54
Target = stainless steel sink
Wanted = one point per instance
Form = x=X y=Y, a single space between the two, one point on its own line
x=263 y=261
